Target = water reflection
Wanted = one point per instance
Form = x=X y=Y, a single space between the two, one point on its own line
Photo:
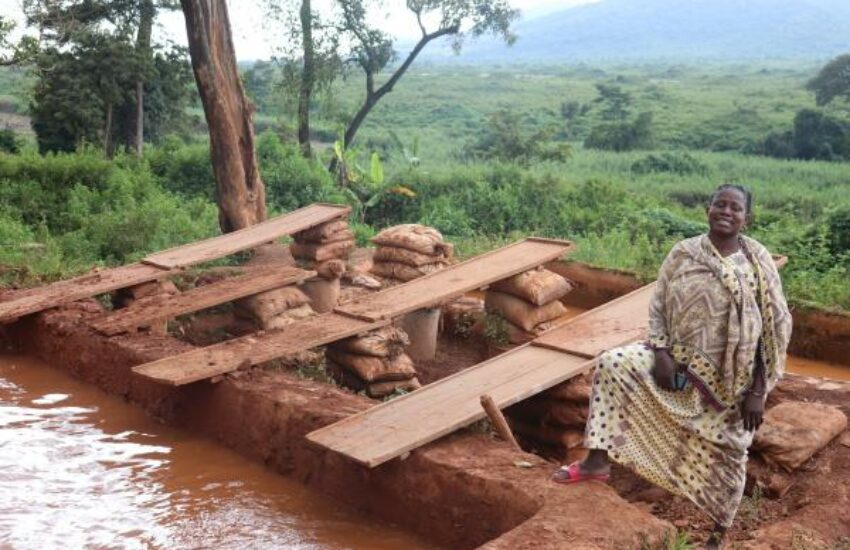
x=81 y=469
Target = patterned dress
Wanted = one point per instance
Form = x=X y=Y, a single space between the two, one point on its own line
x=712 y=313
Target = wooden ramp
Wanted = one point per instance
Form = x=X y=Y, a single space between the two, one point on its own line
x=250 y=237
x=156 y=266
x=457 y=279
x=390 y=429
x=229 y=356
x=371 y=311
x=146 y=310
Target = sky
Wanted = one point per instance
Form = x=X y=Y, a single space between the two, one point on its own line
x=255 y=38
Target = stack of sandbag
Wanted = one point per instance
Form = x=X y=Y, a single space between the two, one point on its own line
x=555 y=418
x=274 y=308
x=528 y=302
x=374 y=363
x=409 y=251
x=330 y=241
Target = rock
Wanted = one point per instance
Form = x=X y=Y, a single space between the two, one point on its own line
x=845 y=439
x=777 y=485
x=794 y=431
x=652 y=495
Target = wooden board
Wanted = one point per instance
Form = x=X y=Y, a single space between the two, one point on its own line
x=615 y=323
x=250 y=237
x=390 y=429
x=253 y=349
x=149 y=309
x=23 y=302
x=457 y=279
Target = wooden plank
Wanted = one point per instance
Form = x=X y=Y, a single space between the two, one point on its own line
x=391 y=429
x=152 y=308
x=456 y=280
x=253 y=349
x=250 y=237
x=23 y=302
x=615 y=323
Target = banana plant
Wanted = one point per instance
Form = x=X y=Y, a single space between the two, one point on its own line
x=367 y=189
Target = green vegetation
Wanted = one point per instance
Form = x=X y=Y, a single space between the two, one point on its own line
x=624 y=209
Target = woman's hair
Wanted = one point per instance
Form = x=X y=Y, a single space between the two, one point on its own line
x=737 y=187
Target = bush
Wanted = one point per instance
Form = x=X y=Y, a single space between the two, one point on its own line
x=674 y=163
x=622 y=136
x=8 y=141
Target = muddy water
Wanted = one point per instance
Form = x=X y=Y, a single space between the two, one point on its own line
x=79 y=468
x=822 y=369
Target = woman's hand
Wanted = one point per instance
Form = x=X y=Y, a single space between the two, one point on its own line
x=664 y=369
x=752 y=411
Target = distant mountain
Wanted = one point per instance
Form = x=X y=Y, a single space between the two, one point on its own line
x=675 y=29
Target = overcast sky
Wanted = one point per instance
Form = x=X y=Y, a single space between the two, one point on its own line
x=254 y=39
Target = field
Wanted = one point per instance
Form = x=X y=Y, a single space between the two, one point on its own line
x=625 y=209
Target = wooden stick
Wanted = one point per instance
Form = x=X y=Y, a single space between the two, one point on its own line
x=498 y=421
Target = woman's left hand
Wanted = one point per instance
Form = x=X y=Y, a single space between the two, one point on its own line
x=752 y=411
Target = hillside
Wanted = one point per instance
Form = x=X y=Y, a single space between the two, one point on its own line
x=671 y=29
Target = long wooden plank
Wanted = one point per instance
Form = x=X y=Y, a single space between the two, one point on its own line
x=150 y=309
x=257 y=348
x=18 y=303
x=250 y=237
x=615 y=323
x=391 y=429
x=457 y=279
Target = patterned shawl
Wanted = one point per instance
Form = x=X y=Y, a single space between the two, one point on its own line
x=714 y=322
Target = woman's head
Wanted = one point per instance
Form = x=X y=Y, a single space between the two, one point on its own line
x=729 y=209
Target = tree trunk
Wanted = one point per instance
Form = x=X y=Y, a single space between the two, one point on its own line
x=307 y=78
x=239 y=188
x=147 y=13
x=108 y=149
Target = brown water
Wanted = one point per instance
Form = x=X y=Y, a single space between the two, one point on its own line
x=822 y=369
x=79 y=468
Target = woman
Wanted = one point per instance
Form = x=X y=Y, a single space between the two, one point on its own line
x=681 y=409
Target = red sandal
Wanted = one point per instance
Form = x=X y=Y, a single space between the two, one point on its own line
x=572 y=474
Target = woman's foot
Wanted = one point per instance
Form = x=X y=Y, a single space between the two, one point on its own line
x=595 y=466
x=576 y=472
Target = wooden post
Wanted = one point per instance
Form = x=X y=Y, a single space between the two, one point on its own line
x=498 y=421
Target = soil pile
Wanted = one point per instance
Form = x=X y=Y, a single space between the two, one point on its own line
x=528 y=302
x=409 y=251
x=374 y=363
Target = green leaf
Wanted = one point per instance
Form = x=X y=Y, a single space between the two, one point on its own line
x=377 y=170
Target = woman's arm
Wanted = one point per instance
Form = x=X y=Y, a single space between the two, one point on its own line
x=659 y=337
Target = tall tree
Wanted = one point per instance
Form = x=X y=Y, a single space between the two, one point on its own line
x=832 y=81
x=373 y=49
x=229 y=114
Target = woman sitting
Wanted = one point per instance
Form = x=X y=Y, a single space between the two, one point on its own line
x=681 y=409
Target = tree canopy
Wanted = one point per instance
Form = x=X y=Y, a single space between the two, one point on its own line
x=832 y=81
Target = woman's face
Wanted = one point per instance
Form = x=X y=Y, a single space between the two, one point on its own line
x=727 y=213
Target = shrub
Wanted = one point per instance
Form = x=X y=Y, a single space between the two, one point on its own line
x=622 y=136
x=675 y=163
x=8 y=141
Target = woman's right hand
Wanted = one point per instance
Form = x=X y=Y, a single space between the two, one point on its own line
x=664 y=369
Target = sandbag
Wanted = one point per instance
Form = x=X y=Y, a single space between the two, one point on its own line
x=551 y=412
x=323 y=293
x=265 y=305
x=288 y=317
x=330 y=269
x=521 y=313
x=382 y=389
x=517 y=335
x=794 y=431
x=405 y=256
x=461 y=315
x=404 y=272
x=538 y=286
x=321 y=233
x=567 y=438
x=415 y=237
x=342 y=235
x=321 y=252
x=384 y=342
x=576 y=390
x=374 y=369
